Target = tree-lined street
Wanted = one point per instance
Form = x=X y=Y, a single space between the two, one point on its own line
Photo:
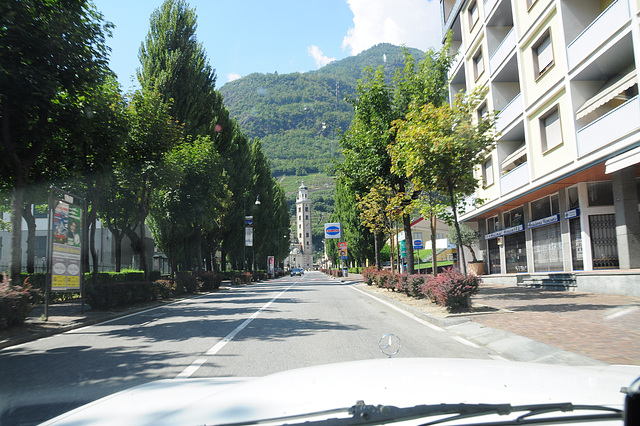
x=246 y=331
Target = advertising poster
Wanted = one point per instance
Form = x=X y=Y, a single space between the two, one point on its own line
x=271 y=265
x=67 y=245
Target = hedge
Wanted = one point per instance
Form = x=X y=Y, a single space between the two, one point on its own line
x=450 y=288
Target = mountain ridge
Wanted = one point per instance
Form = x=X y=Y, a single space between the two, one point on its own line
x=299 y=116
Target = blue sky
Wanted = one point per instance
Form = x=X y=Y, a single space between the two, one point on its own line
x=246 y=36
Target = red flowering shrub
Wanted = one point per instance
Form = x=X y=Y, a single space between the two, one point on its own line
x=414 y=285
x=15 y=303
x=451 y=289
x=368 y=274
x=400 y=283
x=381 y=279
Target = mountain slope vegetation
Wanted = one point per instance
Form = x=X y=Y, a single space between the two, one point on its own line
x=299 y=116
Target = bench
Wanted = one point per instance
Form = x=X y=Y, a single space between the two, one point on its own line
x=550 y=282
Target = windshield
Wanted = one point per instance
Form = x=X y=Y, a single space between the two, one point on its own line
x=214 y=192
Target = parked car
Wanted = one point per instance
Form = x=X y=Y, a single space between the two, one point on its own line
x=297 y=271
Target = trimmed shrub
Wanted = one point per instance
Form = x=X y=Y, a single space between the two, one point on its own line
x=164 y=288
x=210 y=281
x=187 y=282
x=368 y=274
x=15 y=303
x=415 y=285
x=452 y=290
x=104 y=295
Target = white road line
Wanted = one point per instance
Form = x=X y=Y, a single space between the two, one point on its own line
x=413 y=317
x=187 y=372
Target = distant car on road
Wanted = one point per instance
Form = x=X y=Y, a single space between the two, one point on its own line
x=297 y=271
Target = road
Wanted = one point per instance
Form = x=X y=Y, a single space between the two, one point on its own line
x=247 y=331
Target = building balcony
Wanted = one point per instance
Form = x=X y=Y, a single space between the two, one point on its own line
x=509 y=113
x=598 y=32
x=488 y=6
x=507 y=46
x=514 y=179
x=609 y=127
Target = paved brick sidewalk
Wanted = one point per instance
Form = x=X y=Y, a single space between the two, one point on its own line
x=602 y=327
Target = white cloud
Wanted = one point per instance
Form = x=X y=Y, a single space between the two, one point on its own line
x=318 y=56
x=414 y=23
x=233 y=76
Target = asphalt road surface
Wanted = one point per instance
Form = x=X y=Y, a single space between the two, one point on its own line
x=246 y=331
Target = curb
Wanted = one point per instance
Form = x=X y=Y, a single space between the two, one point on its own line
x=508 y=345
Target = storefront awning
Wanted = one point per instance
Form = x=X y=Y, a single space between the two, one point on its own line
x=610 y=90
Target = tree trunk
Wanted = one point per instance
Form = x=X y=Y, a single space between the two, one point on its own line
x=91 y=223
x=461 y=261
x=376 y=248
x=408 y=243
x=15 y=251
x=434 y=257
x=27 y=214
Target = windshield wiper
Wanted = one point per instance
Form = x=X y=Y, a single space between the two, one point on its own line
x=362 y=414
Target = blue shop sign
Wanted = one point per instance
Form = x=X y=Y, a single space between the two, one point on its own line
x=572 y=213
x=544 y=221
x=504 y=232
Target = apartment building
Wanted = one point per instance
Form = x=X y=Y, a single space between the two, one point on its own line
x=560 y=189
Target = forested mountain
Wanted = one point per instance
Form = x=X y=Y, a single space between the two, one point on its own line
x=299 y=116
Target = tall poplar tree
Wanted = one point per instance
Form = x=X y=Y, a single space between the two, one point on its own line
x=174 y=63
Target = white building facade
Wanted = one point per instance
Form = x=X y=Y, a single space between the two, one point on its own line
x=561 y=186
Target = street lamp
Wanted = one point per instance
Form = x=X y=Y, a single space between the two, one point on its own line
x=253 y=246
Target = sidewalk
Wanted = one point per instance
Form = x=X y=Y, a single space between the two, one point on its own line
x=599 y=327
x=525 y=324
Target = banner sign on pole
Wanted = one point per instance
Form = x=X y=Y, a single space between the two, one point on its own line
x=271 y=265
x=342 y=250
x=248 y=236
x=66 y=247
x=333 y=230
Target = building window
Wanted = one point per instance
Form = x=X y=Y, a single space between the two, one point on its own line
x=306 y=208
x=600 y=193
x=545 y=207
x=482 y=111
x=40 y=248
x=530 y=3
x=543 y=54
x=514 y=217
x=487 y=173
x=550 y=129
x=306 y=216
x=299 y=217
x=492 y=224
x=573 y=198
x=473 y=14
x=478 y=64
x=307 y=235
x=300 y=235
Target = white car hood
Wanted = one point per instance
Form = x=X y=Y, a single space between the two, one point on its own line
x=402 y=382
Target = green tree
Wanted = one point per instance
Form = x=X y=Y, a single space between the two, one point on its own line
x=188 y=203
x=361 y=241
x=468 y=237
x=46 y=48
x=438 y=148
x=175 y=64
x=97 y=125
x=153 y=134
